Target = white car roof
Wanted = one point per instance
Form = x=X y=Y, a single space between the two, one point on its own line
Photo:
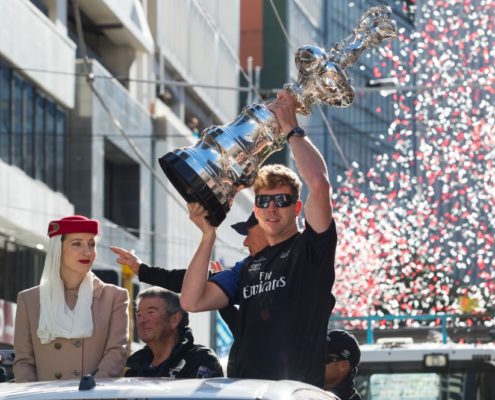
x=163 y=388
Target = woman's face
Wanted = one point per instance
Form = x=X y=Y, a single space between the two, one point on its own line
x=78 y=253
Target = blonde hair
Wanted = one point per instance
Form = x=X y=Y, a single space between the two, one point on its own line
x=276 y=175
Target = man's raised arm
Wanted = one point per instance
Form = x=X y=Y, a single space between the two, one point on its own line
x=197 y=293
x=310 y=165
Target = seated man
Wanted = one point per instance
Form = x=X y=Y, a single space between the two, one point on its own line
x=343 y=356
x=170 y=350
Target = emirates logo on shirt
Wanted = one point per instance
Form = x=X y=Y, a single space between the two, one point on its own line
x=266 y=284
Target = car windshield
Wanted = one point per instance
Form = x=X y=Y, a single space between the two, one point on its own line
x=427 y=386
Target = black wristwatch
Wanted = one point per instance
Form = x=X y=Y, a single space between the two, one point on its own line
x=297 y=131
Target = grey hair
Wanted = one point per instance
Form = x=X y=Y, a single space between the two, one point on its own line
x=171 y=299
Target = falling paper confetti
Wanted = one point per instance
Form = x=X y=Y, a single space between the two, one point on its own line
x=417 y=231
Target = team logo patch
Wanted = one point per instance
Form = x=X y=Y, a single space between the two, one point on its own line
x=176 y=370
x=285 y=255
x=254 y=267
x=53 y=228
x=204 y=372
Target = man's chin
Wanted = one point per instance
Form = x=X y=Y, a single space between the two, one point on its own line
x=144 y=337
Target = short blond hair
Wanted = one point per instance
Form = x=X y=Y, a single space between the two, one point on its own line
x=276 y=175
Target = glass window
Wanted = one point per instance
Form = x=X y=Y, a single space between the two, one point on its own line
x=59 y=150
x=17 y=128
x=405 y=386
x=32 y=129
x=472 y=381
x=5 y=114
x=50 y=144
x=39 y=138
x=20 y=268
x=122 y=183
x=41 y=6
x=28 y=130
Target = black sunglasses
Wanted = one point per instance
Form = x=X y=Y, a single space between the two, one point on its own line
x=332 y=359
x=280 y=200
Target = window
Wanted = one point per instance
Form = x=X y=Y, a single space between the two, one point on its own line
x=32 y=130
x=29 y=130
x=50 y=145
x=59 y=150
x=17 y=126
x=20 y=268
x=107 y=275
x=5 y=114
x=122 y=189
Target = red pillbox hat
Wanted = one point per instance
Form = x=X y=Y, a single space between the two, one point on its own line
x=74 y=224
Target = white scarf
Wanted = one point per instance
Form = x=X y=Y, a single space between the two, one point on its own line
x=56 y=318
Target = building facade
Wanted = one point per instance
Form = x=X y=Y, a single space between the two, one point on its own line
x=84 y=116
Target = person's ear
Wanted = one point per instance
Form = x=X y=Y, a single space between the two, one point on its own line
x=298 y=207
x=175 y=319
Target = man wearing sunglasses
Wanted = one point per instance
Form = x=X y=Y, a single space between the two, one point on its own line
x=343 y=356
x=284 y=291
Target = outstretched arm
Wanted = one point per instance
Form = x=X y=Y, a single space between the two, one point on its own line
x=309 y=163
x=197 y=293
x=170 y=279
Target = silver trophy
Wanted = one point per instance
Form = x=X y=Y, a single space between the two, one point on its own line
x=226 y=158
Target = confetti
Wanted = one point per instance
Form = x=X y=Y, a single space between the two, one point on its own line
x=417 y=231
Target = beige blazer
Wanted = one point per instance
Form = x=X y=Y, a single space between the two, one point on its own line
x=64 y=358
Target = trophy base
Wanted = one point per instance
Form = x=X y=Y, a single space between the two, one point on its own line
x=191 y=187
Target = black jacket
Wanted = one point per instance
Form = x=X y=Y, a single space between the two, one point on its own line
x=172 y=279
x=346 y=390
x=188 y=360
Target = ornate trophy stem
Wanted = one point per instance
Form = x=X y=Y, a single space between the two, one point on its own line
x=322 y=74
x=226 y=158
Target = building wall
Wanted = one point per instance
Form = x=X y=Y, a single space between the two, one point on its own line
x=30 y=41
x=200 y=41
x=40 y=60
x=41 y=35
x=46 y=111
x=251 y=40
x=93 y=135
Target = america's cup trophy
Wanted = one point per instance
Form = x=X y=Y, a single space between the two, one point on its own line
x=226 y=158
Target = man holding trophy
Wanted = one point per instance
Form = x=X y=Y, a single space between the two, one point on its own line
x=283 y=291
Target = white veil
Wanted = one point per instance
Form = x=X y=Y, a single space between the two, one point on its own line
x=56 y=318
